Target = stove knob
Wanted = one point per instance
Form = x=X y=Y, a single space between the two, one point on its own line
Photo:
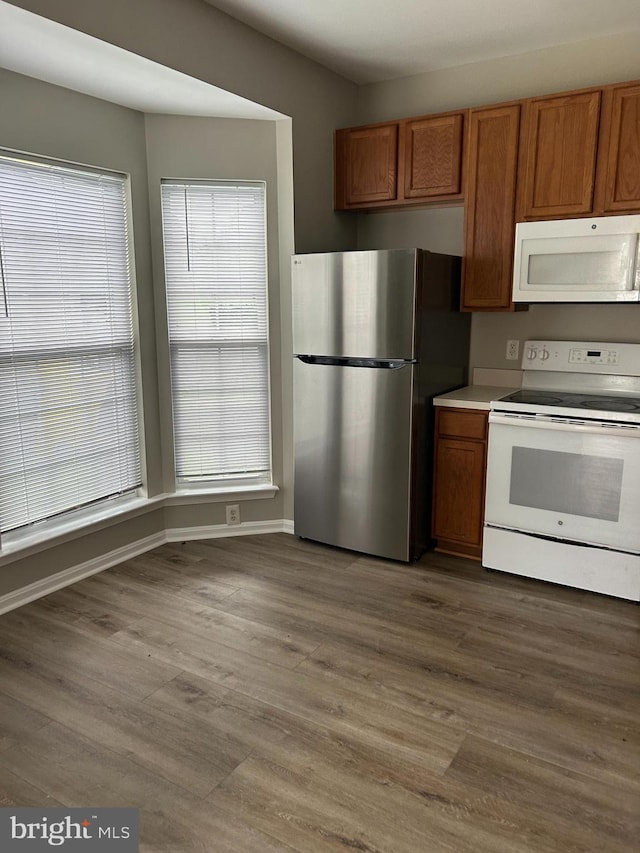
x=544 y=354
x=532 y=352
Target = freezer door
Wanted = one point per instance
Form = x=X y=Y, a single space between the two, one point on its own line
x=353 y=457
x=355 y=303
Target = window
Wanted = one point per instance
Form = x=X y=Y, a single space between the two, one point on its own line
x=69 y=430
x=216 y=278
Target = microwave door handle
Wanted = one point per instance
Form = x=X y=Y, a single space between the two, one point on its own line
x=630 y=431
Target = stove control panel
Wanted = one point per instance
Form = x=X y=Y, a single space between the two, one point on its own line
x=582 y=357
x=593 y=356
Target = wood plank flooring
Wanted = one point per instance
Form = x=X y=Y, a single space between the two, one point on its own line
x=270 y=694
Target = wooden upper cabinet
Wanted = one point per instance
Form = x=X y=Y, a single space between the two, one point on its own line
x=366 y=165
x=490 y=207
x=399 y=163
x=558 y=155
x=433 y=157
x=619 y=154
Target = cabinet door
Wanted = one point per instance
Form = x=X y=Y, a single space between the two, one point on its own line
x=619 y=158
x=462 y=423
x=490 y=208
x=433 y=157
x=459 y=493
x=558 y=157
x=366 y=165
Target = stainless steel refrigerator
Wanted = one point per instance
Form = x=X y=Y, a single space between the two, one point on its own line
x=376 y=335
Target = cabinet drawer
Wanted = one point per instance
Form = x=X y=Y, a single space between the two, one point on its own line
x=462 y=423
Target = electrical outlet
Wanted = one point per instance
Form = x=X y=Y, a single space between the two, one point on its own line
x=513 y=350
x=233 y=514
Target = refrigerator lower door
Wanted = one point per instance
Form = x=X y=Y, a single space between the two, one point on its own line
x=353 y=457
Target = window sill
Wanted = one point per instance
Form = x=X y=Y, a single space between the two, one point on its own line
x=219 y=494
x=15 y=546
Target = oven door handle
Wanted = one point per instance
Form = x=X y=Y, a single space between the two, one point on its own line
x=566 y=425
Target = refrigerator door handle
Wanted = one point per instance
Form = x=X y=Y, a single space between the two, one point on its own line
x=342 y=361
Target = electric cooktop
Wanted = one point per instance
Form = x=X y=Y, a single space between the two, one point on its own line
x=572 y=400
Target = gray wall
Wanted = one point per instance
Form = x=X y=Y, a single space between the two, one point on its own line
x=605 y=60
x=437 y=230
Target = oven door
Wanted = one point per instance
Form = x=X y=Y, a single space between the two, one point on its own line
x=567 y=479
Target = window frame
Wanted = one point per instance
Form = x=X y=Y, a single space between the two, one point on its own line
x=248 y=485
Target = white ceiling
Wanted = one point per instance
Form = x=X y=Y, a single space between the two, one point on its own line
x=38 y=47
x=372 y=40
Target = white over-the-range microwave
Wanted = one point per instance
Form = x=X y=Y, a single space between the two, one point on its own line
x=578 y=260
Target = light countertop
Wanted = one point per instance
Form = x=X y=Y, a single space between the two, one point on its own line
x=473 y=396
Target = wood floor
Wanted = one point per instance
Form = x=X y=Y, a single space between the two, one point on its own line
x=269 y=694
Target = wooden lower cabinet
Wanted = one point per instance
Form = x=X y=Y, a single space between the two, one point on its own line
x=459 y=480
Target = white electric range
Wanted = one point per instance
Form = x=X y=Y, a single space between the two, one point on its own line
x=563 y=469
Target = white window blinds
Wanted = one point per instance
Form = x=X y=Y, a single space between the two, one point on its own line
x=216 y=278
x=69 y=425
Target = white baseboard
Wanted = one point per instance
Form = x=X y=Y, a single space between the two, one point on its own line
x=28 y=593
x=50 y=584
x=219 y=531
